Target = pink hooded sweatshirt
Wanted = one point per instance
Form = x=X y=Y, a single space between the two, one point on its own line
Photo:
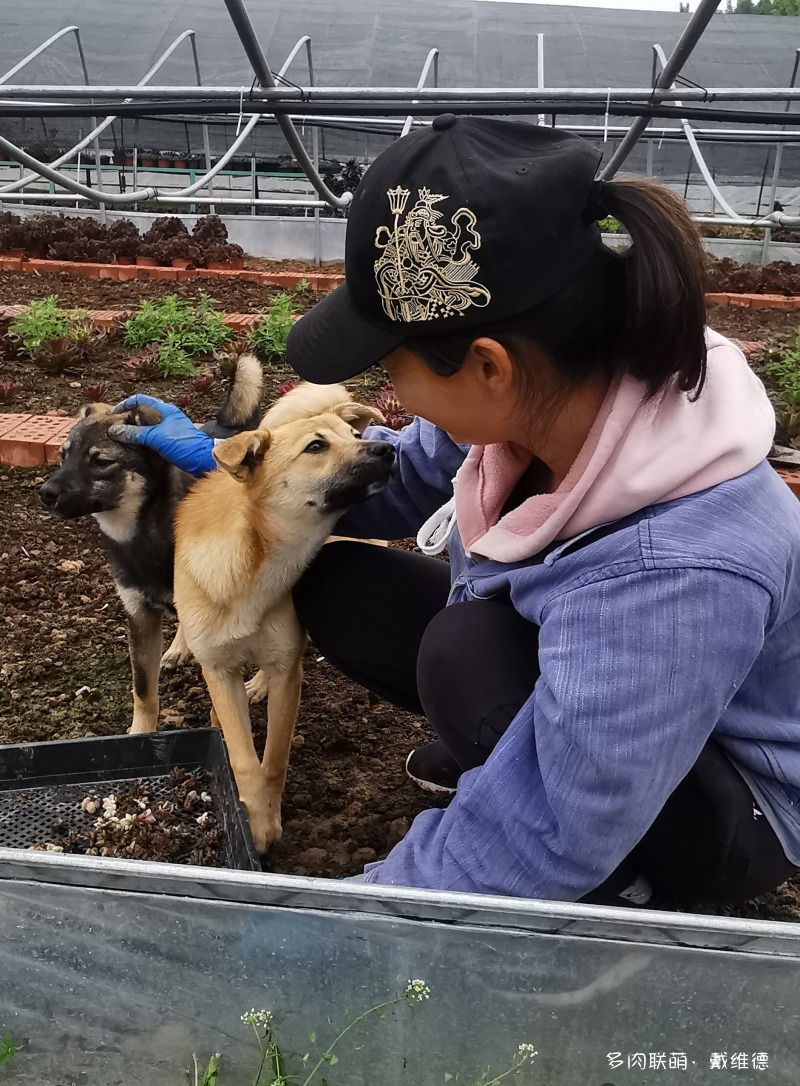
x=637 y=454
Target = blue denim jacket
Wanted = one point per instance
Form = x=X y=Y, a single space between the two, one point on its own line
x=683 y=623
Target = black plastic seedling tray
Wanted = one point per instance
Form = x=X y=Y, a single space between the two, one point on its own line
x=40 y=782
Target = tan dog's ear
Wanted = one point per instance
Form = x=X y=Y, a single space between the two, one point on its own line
x=358 y=414
x=241 y=455
x=94 y=409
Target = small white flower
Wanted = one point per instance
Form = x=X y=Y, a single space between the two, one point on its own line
x=50 y=847
x=91 y=805
x=206 y=798
x=257 y=1018
x=417 y=989
x=203 y=818
x=110 y=805
x=527 y=1051
x=127 y=821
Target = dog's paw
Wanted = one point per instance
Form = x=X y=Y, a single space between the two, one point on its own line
x=257 y=688
x=174 y=657
x=266 y=830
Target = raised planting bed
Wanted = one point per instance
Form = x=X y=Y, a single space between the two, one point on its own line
x=123 y=974
x=169 y=796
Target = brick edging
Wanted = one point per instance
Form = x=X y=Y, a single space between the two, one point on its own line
x=125 y=272
x=756 y=301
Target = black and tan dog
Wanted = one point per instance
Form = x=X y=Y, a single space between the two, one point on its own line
x=133 y=493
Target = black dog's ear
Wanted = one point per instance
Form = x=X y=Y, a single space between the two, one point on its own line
x=145 y=416
x=138 y=416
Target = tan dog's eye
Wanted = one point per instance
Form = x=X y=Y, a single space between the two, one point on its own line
x=316 y=446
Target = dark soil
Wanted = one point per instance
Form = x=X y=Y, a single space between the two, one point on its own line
x=62 y=628
x=260 y=263
x=727 y=276
x=753 y=325
x=233 y=295
x=179 y=827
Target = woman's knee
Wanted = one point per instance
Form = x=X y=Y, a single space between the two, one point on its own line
x=478 y=663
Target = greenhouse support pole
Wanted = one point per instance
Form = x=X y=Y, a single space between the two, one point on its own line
x=773 y=192
x=540 y=71
x=680 y=54
x=247 y=35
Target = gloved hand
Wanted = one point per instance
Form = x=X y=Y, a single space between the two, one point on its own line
x=176 y=437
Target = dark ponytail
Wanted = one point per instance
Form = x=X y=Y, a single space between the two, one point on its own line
x=640 y=312
x=666 y=310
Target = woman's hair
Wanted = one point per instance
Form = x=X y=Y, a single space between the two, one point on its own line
x=641 y=312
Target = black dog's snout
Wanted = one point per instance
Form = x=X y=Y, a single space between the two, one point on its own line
x=48 y=495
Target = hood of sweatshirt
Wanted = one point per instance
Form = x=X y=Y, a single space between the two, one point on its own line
x=638 y=453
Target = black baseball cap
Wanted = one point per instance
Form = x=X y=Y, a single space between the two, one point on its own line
x=454 y=226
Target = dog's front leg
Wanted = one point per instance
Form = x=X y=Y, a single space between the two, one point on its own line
x=144 y=643
x=229 y=700
x=282 y=709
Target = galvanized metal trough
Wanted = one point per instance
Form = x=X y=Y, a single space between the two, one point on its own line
x=116 y=972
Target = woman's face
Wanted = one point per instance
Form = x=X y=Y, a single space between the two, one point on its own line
x=474 y=406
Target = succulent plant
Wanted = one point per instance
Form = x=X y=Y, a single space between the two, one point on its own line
x=95 y=393
x=287 y=386
x=8 y=393
x=142 y=366
x=184 y=400
x=388 y=404
x=203 y=383
x=57 y=355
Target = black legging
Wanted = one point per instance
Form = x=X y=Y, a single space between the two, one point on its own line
x=468 y=668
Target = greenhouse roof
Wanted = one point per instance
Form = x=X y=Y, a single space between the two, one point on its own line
x=384 y=42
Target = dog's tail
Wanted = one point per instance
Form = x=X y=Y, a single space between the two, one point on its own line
x=242 y=407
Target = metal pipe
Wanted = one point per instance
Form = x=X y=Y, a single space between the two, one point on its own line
x=247 y=35
x=204 y=129
x=148 y=193
x=463 y=95
x=540 y=70
x=680 y=54
x=431 y=59
x=56 y=197
x=37 y=52
x=773 y=193
x=95 y=133
x=716 y=195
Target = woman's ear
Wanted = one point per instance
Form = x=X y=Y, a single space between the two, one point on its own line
x=491 y=364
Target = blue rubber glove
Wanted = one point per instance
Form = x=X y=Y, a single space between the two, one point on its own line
x=176 y=437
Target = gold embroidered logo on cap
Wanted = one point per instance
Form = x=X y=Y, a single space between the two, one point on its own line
x=425 y=269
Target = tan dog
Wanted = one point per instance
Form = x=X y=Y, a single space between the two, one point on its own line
x=243 y=537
